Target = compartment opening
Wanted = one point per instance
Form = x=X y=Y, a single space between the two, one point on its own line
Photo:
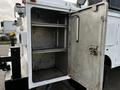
x=49 y=34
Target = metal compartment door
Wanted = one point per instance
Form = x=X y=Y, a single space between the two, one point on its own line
x=86 y=45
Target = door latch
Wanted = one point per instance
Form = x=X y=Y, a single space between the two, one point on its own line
x=93 y=50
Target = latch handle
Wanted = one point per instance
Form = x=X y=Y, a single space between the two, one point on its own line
x=77 y=28
x=93 y=49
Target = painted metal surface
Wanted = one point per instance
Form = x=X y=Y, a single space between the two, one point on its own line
x=55 y=4
x=86 y=55
x=112 y=49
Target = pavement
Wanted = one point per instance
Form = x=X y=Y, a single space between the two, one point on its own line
x=112 y=80
x=2 y=79
x=3 y=52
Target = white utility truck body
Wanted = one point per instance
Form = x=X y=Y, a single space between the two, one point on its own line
x=64 y=42
x=112 y=50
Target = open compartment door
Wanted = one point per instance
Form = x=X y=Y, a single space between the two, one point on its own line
x=86 y=45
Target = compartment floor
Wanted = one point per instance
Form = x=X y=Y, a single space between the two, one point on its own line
x=46 y=74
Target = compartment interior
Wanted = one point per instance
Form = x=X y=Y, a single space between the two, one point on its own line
x=47 y=38
x=49 y=44
x=47 y=16
x=49 y=65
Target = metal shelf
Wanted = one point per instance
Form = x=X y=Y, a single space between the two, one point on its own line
x=48 y=51
x=37 y=24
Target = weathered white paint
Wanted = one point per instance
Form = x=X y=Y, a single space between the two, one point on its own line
x=113 y=38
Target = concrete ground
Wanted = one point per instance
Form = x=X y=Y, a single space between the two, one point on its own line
x=3 y=52
x=112 y=79
x=2 y=78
